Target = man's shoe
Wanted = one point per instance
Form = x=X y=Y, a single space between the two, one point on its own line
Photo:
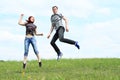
x=59 y=56
x=77 y=45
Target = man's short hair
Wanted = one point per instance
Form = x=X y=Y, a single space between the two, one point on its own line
x=54 y=7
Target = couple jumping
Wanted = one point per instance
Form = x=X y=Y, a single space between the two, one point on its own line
x=56 y=23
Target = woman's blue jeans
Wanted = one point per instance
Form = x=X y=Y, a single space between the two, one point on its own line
x=27 y=43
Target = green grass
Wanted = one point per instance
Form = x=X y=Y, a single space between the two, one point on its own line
x=65 y=69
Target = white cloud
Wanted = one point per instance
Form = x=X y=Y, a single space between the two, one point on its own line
x=78 y=8
x=98 y=39
x=7 y=36
x=25 y=6
x=104 y=11
x=102 y=37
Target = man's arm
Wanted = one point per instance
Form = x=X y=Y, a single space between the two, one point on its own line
x=20 y=20
x=66 y=23
x=51 y=30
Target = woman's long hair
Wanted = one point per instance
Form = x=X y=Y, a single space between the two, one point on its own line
x=29 y=21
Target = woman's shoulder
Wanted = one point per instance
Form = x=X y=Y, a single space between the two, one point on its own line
x=30 y=24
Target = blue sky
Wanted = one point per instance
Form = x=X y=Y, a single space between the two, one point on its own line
x=95 y=24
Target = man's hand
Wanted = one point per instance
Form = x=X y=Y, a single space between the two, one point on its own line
x=48 y=36
x=66 y=26
x=67 y=30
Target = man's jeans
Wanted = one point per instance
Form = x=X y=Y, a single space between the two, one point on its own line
x=27 y=43
x=60 y=34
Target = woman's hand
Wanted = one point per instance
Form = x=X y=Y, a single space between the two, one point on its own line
x=20 y=20
x=39 y=34
x=22 y=14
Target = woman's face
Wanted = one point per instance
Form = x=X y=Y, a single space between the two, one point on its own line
x=32 y=19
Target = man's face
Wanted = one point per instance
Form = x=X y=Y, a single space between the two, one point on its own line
x=54 y=10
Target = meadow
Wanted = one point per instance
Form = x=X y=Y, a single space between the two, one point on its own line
x=65 y=69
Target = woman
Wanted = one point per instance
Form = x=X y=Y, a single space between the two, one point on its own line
x=30 y=38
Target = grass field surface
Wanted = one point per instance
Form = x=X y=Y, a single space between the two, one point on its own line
x=65 y=69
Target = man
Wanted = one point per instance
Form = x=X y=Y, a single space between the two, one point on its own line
x=56 y=23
